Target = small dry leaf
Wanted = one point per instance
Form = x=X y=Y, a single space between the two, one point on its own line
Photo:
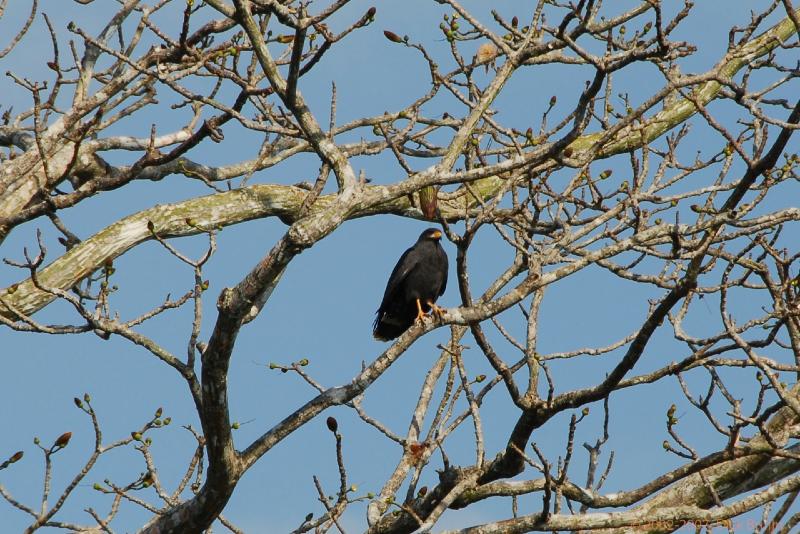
x=417 y=449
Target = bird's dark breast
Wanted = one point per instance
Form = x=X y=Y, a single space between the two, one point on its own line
x=424 y=283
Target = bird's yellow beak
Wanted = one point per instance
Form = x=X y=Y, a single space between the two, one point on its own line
x=436 y=235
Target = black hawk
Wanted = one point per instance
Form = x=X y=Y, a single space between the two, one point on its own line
x=418 y=279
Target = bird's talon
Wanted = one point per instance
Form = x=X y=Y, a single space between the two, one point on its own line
x=436 y=311
x=420 y=314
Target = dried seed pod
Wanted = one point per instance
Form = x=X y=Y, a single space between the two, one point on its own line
x=333 y=425
x=428 y=201
x=62 y=440
x=392 y=36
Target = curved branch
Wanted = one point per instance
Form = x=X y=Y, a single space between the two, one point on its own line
x=186 y=218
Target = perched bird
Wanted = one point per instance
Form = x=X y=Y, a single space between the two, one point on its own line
x=418 y=279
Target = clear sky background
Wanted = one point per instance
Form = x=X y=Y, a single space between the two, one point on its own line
x=325 y=304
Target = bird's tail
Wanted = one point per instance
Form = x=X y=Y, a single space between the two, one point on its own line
x=386 y=328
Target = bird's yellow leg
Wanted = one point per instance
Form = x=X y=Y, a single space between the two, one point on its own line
x=420 y=313
x=436 y=310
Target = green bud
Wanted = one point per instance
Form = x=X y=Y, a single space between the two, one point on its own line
x=529 y=133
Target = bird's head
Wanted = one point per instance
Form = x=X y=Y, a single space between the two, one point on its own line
x=434 y=234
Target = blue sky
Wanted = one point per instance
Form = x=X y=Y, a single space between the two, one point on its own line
x=325 y=304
